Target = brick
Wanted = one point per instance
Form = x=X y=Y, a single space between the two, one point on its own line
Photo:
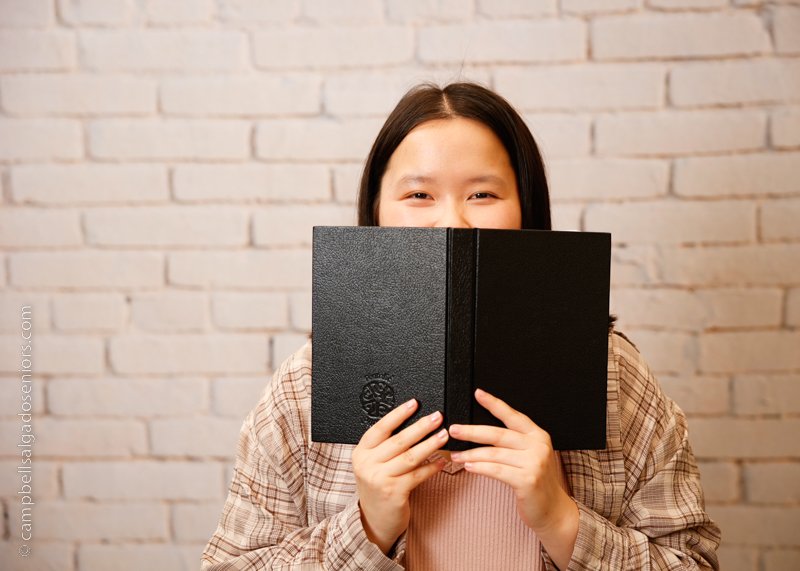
x=127 y=397
x=720 y=481
x=699 y=309
x=250 y=311
x=89 y=311
x=561 y=136
x=684 y=35
x=687 y=4
x=167 y=226
x=679 y=132
x=339 y=47
x=738 y=438
x=772 y=483
x=735 y=82
x=779 y=220
x=793 y=307
x=179 y=12
x=32 y=50
x=163 y=50
x=758 y=526
x=171 y=139
x=242 y=96
x=786 y=27
x=94 y=12
x=284 y=344
x=251 y=182
x=26 y=14
x=195 y=436
x=11 y=394
x=633 y=266
x=90 y=438
x=300 y=310
x=766 y=394
x=141 y=480
x=87 y=269
x=698 y=395
x=596 y=86
x=170 y=311
x=593 y=179
x=46 y=556
x=40 y=139
x=53 y=354
x=292 y=226
x=46 y=476
x=78 y=95
x=370 y=93
x=257 y=11
x=671 y=221
x=426 y=11
x=344 y=12
x=315 y=139
x=346 y=181
x=85 y=521
x=746 y=175
x=89 y=184
x=755 y=351
x=666 y=352
x=254 y=269
x=195 y=521
x=730 y=266
x=517 y=8
x=566 y=216
x=188 y=353
x=784 y=127
x=36 y=228
x=511 y=41
x=237 y=396
x=777 y=559
x=733 y=558
x=11 y=311
x=133 y=556
x=597 y=6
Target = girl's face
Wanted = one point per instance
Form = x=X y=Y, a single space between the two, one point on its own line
x=450 y=173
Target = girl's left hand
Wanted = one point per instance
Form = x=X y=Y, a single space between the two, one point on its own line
x=521 y=455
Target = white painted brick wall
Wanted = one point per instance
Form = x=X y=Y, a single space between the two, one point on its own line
x=162 y=164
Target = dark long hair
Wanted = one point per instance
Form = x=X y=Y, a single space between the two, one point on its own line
x=427 y=102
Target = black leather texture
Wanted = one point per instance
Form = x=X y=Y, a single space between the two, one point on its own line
x=433 y=313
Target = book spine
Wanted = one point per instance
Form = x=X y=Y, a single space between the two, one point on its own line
x=460 y=326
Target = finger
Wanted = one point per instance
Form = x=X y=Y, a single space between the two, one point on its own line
x=507 y=456
x=512 y=418
x=407 y=461
x=422 y=473
x=408 y=437
x=382 y=429
x=484 y=434
x=506 y=474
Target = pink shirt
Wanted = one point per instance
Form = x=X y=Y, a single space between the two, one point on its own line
x=460 y=520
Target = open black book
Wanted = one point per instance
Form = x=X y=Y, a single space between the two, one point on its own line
x=434 y=313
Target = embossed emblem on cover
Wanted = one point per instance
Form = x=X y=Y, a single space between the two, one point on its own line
x=377 y=396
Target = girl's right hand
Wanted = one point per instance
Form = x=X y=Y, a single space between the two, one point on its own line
x=387 y=467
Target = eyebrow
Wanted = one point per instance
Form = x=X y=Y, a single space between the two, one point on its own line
x=417 y=179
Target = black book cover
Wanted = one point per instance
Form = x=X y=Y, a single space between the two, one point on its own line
x=434 y=313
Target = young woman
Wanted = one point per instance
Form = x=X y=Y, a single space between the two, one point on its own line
x=462 y=157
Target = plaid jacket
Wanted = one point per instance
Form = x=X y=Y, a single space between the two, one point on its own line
x=292 y=503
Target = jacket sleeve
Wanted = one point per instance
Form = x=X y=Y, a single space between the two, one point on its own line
x=264 y=523
x=662 y=523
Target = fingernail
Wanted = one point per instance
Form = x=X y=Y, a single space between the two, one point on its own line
x=442 y=434
x=435 y=417
x=480 y=392
x=455 y=456
x=454 y=429
x=411 y=403
x=468 y=466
